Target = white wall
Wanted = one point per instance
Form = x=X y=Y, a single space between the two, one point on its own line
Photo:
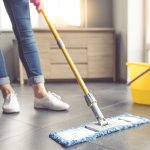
x=129 y=27
x=135 y=43
x=99 y=13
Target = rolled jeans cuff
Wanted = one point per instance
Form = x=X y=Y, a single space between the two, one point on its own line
x=36 y=79
x=4 y=80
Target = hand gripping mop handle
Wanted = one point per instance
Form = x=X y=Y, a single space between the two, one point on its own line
x=91 y=101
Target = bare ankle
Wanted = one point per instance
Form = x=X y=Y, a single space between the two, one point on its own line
x=6 y=89
x=39 y=90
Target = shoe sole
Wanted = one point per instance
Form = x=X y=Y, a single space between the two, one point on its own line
x=36 y=106
x=9 y=111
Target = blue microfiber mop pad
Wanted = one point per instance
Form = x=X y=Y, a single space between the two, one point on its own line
x=72 y=136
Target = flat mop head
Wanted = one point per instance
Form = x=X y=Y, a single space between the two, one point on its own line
x=93 y=130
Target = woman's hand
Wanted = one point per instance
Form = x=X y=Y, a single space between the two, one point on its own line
x=38 y=4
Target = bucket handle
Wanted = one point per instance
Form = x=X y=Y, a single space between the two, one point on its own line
x=140 y=75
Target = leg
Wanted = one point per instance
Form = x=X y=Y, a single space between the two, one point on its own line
x=4 y=79
x=19 y=14
x=10 y=100
x=18 y=11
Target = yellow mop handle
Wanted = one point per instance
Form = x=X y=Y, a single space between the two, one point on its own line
x=62 y=47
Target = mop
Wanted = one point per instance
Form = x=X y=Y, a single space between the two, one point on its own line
x=92 y=130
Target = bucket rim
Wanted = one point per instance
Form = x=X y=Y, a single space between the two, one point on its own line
x=138 y=63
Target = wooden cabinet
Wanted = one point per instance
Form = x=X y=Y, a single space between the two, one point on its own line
x=92 y=51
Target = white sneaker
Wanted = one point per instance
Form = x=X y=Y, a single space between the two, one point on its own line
x=11 y=104
x=52 y=102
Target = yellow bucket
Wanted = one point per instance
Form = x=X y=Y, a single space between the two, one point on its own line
x=140 y=87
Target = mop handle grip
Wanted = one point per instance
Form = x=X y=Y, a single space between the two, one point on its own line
x=62 y=47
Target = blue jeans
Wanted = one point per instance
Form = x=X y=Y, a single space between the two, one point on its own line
x=19 y=14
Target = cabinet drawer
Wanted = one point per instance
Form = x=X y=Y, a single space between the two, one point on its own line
x=92 y=51
x=43 y=40
x=71 y=40
x=102 y=37
x=63 y=71
x=101 y=67
x=77 y=55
